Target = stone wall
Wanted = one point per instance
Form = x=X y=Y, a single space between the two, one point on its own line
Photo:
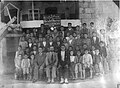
x=87 y=11
x=105 y=9
x=98 y=11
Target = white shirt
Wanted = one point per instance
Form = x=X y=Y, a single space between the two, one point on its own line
x=30 y=44
x=70 y=41
x=87 y=58
x=94 y=38
x=44 y=43
x=72 y=58
x=51 y=43
x=63 y=55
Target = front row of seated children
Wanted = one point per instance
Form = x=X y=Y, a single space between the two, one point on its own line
x=77 y=65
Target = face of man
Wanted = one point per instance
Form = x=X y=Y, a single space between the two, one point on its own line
x=63 y=48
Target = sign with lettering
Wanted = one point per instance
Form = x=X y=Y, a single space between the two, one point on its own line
x=52 y=20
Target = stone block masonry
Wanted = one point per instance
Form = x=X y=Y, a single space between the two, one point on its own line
x=87 y=11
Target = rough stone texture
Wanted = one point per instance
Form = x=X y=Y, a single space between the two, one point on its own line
x=81 y=10
x=89 y=10
x=93 y=15
x=103 y=10
x=85 y=15
x=92 y=4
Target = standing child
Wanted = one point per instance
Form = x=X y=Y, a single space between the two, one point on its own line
x=87 y=63
x=78 y=65
x=18 y=70
x=25 y=65
x=103 y=53
x=98 y=64
x=72 y=64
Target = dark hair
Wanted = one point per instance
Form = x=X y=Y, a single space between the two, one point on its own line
x=70 y=23
x=91 y=22
x=84 y=24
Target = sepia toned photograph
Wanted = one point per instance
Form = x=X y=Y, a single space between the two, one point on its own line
x=59 y=44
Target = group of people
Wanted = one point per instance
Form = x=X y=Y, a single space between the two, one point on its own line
x=62 y=53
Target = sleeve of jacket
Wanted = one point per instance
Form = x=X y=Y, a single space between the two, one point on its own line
x=46 y=59
x=56 y=57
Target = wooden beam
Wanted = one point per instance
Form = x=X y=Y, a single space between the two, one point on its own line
x=3 y=30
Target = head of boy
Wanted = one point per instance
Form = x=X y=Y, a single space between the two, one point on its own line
x=93 y=48
x=101 y=43
x=84 y=25
x=97 y=51
x=68 y=34
x=92 y=24
x=62 y=48
x=42 y=26
x=34 y=47
x=77 y=28
x=85 y=36
x=77 y=47
x=51 y=38
x=62 y=28
x=51 y=49
x=94 y=34
x=74 y=34
x=40 y=50
x=70 y=48
x=85 y=46
x=102 y=31
x=71 y=52
x=32 y=56
x=25 y=56
x=71 y=36
x=69 y=25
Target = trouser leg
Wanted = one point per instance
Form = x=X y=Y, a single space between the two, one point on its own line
x=48 y=72
x=53 y=72
x=65 y=72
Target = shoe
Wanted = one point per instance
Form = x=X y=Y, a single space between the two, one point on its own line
x=62 y=81
x=48 y=81
x=52 y=81
x=66 y=81
x=34 y=81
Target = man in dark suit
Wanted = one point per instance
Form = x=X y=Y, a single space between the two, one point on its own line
x=63 y=65
x=51 y=64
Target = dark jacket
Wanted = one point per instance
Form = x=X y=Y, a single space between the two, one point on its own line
x=66 y=60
